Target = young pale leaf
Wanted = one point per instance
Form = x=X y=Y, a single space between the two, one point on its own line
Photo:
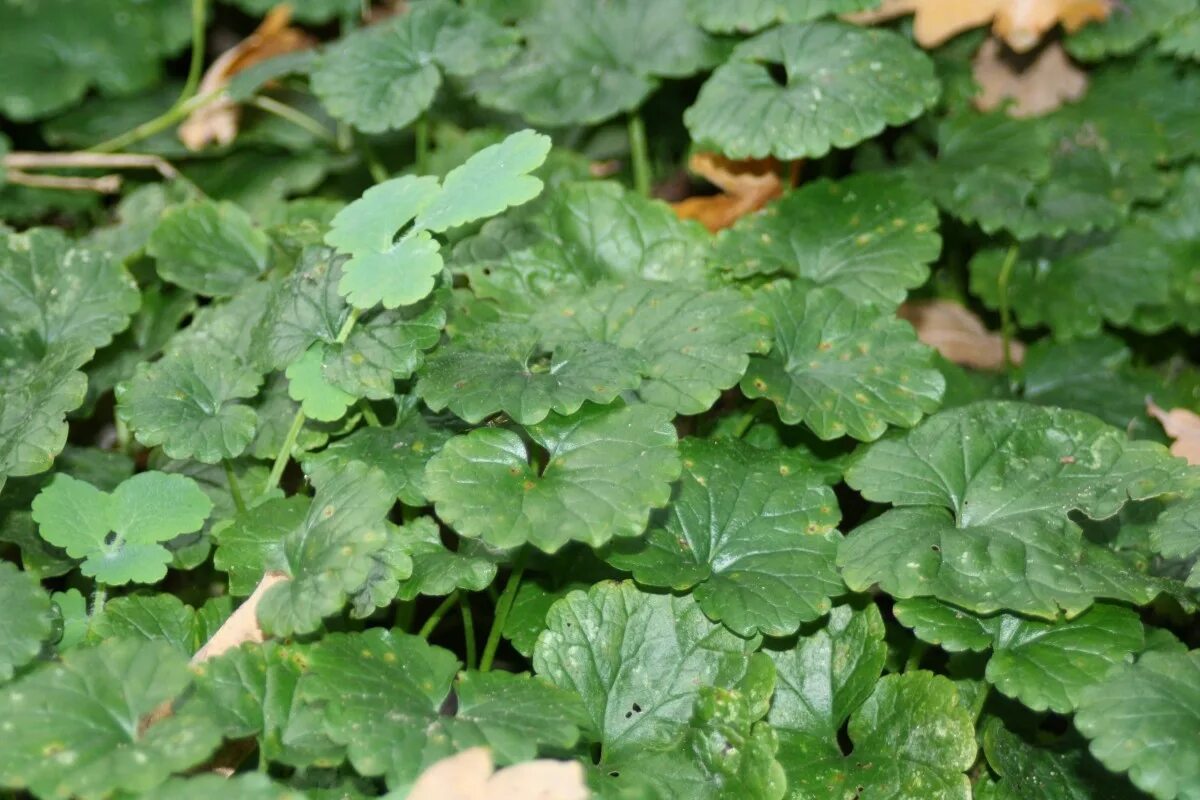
x=842 y=368
x=606 y=468
x=387 y=348
x=95 y=744
x=753 y=540
x=382 y=77
x=309 y=385
x=209 y=248
x=501 y=367
x=1143 y=720
x=1042 y=664
x=984 y=496
x=637 y=662
x=119 y=534
x=694 y=343
x=381 y=694
x=843 y=84
x=190 y=405
x=584 y=63
x=869 y=236
x=400 y=275
x=27 y=619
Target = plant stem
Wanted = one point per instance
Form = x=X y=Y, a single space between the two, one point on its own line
x=464 y=603
x=748 y=418
x=503 y=607
x=421 y=131
x=235 y=491
x=375 y=167
x=159 y=123
x=196 y=65
x=368 y=413
x=98 y=598
x=285 y=452
x=913 y=662
x=437 y=615
x=640 y=161
x=294 y=116
x=1010 y=260
x=347 y=326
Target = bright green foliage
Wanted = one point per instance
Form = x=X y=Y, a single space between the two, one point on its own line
x=156 y=617
x=26 y=622
x=572 y=73
x=309 y=386
x=605 y=469
x=388 y=347
x=190 y=405
x=253 y=541
x=93 y=745
x=841 y=368
x=725 y=17
x=385 y=76
x=1042 y=664
x=1122 y=33
x=437 y=570
x=870 y=237
x=35 y=395
x=210 y=248
x=1141 y=720
x=982 y=496
x=250 y=786
x=119 y=534
x=843 y=85
x=749 y=534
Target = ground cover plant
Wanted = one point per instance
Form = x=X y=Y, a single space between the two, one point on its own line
x=599 y=398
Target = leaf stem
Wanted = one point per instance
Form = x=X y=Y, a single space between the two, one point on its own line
x=294 y=116
x=368 y=413
x=464 y=603
x=918 y=651
x=639 y=159
x=503 y=607
x=285 y=452
x=160 y=123
x=437 y=615
x=98 y=597
x=235 y=491
x=1006 y=331
x=196 y=65
x=421 y=132
x=347 y=326
x=375 y=167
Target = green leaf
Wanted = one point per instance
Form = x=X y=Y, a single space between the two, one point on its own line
x=584 y=63
x=753 y=541
x=388 y=347
x=605 y=469
x=381 y=693
x=329 y=555
x=156 y=617
x=842 y=368
x=36 y=392
x=390 y=566
x=503 y=367
x=95 y=745
x=253 y=542
x=299 y=311
x=984 y=496
x=1143 y=719
x=869 y=236
x=209 y=248
x=1127 y=29
x=1176 y=534
x=310 y=386
x=246 y=786
x=312 y=11
x=190 y=405
x=438 y=571
x=843 y=84
x=694 y=343
x=1042 y=664
x=747 y=16
x=637 y=662
x=119 y=534
x=384 y=76
x=27 y=619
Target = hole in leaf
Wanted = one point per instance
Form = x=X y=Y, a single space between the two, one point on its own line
x=843 y=740
x=935 y=548
x=110 y=539
x=778 y=73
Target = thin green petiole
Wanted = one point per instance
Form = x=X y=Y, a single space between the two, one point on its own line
x=1006 y=326
x=464 y=603
x=638 y=156
x=503 y=607
x=437 y=615
x=235 y=491
x=296 y=117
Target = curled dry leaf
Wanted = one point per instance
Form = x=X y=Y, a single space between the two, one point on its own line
x=1037 y=82
x=218 y=121
x=958 y=334
x=1021 y=23
x=242 y=625
x=1181 y=425
x=469 y=776
x=746 y=186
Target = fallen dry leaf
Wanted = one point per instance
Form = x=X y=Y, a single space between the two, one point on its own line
x=242 y=625
x=958 y=334
x=1021 y=23
x=1038 y=82
x=1181 y=425
x=218 y=121
x=469 y=776
x=746 y=186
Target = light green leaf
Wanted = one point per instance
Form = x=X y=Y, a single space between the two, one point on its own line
x=190 y=405
x=694 y=343
x=309 y=386
x=149 y=617
x=606 y=468
x=747 y=16
x=503 y=367
x=384 y=76
x=245 y=786
x=301 y=310
x=868 y=236
x=1042 y=664
x=401 y=275
x=369 y=224
x=210 y=248
x=147 y=509
x=842 y=368
x=388 y=347
x=438 y=571
x=1143 y=721
x=984 y=495
x=71 y=608
x=27 y=620
x=844 y=84
x=753 y=541
x=95 y=745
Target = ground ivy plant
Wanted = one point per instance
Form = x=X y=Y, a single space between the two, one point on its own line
x=408 y=417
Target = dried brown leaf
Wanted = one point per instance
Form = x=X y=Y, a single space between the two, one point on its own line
x=958 y=334
x=1181 y=425
x=1037 y=82
x=469 y=776
x=746 y=186
x=242 y=625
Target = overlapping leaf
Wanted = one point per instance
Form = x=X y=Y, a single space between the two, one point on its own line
x=724 y=17
x=27 y=619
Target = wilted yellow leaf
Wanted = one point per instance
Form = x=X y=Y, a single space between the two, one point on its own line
x=959 y=335
x=469 y=776
x=1181 y=425
x=1037 y=82
x=746 y=186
